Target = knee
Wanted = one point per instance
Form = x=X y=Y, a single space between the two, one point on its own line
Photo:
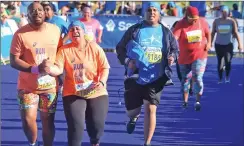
x=150 y=108
x=29 y=120
x=133 y=113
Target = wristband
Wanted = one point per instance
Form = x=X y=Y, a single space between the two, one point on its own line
x=102 y=83
x=35 y=70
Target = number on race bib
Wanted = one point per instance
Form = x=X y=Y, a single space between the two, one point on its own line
x=154 y=57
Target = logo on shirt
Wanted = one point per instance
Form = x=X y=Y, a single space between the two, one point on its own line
x=34 y=44
x=152 y=40
x=110 y=25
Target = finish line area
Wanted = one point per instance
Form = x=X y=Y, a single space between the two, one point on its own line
x=219 y=123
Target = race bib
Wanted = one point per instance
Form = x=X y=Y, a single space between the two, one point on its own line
x=86 y=93
x=194 y=36
x=46 y=82
x=154 y=55
x=83 y=86
x=224 y=29
x=85 y=89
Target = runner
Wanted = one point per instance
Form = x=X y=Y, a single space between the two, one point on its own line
x=147 y=50
x=178 y=66
x=93 y=26
x=226 y=29
x=194 y=39
x=85 y=95
x=32 y=44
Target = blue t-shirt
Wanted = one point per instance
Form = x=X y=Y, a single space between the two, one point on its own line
x=150 y=39
x=63 y=26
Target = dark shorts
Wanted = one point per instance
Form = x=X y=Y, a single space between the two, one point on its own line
x=136 y=93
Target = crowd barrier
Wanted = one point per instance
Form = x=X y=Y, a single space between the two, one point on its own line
x=114 y=28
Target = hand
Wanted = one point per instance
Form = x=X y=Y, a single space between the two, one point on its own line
x=44 y=67
x=132 y=64
x=99 y=40
x=171 y=60
x=97 y=85
x=208 y=47
x=240 y=48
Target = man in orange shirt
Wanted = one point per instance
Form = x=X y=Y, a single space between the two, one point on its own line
x=32 y=44
x=194 y=39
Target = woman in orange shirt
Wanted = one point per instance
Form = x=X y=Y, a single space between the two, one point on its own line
x=194 y=39
x=85 y=97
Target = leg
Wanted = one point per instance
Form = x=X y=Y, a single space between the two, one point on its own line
x=28 y=103
x=74 y=110
x=228 y=57
x=47 y=106
x=151 y=100
x=198 y=69
x=178 y=70
x=220 y=58
x=186 y=74
x=133 y=102
x=96 y=113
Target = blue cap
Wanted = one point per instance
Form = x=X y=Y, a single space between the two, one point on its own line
x=224 y=8
x=155 y=5
x=77 y=23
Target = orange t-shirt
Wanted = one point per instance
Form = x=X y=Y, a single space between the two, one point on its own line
x=192 y=40
x=33 y=46
x=82 y=68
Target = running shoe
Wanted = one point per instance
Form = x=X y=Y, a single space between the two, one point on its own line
x=220 y=81
x=131 y=125
x=35 y=144
x=197 y=106
x=185 y=104
x=227 y=80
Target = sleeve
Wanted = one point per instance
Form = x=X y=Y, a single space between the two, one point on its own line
x=121 y=46
x=99 y=26
x=102 y=59
x=60 y=43
x=60 y=59
x=17 y=48
x=206 y=26
x=174 y=47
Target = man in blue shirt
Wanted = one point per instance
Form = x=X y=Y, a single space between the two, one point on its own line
x=49 y=9
x=147 y=50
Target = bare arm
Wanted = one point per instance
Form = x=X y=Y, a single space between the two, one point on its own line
x=236 y=35
x=19 y=64
x=213 y=32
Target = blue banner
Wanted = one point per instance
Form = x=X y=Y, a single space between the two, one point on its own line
x=114 y=27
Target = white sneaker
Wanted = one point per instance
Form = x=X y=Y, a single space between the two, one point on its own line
x=227 y=80
x=220 y=82
x=34 y=144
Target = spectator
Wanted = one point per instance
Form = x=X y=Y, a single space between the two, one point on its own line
x=49 y=9
x=163 y=10
x=172 y=10
x=235 y=12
